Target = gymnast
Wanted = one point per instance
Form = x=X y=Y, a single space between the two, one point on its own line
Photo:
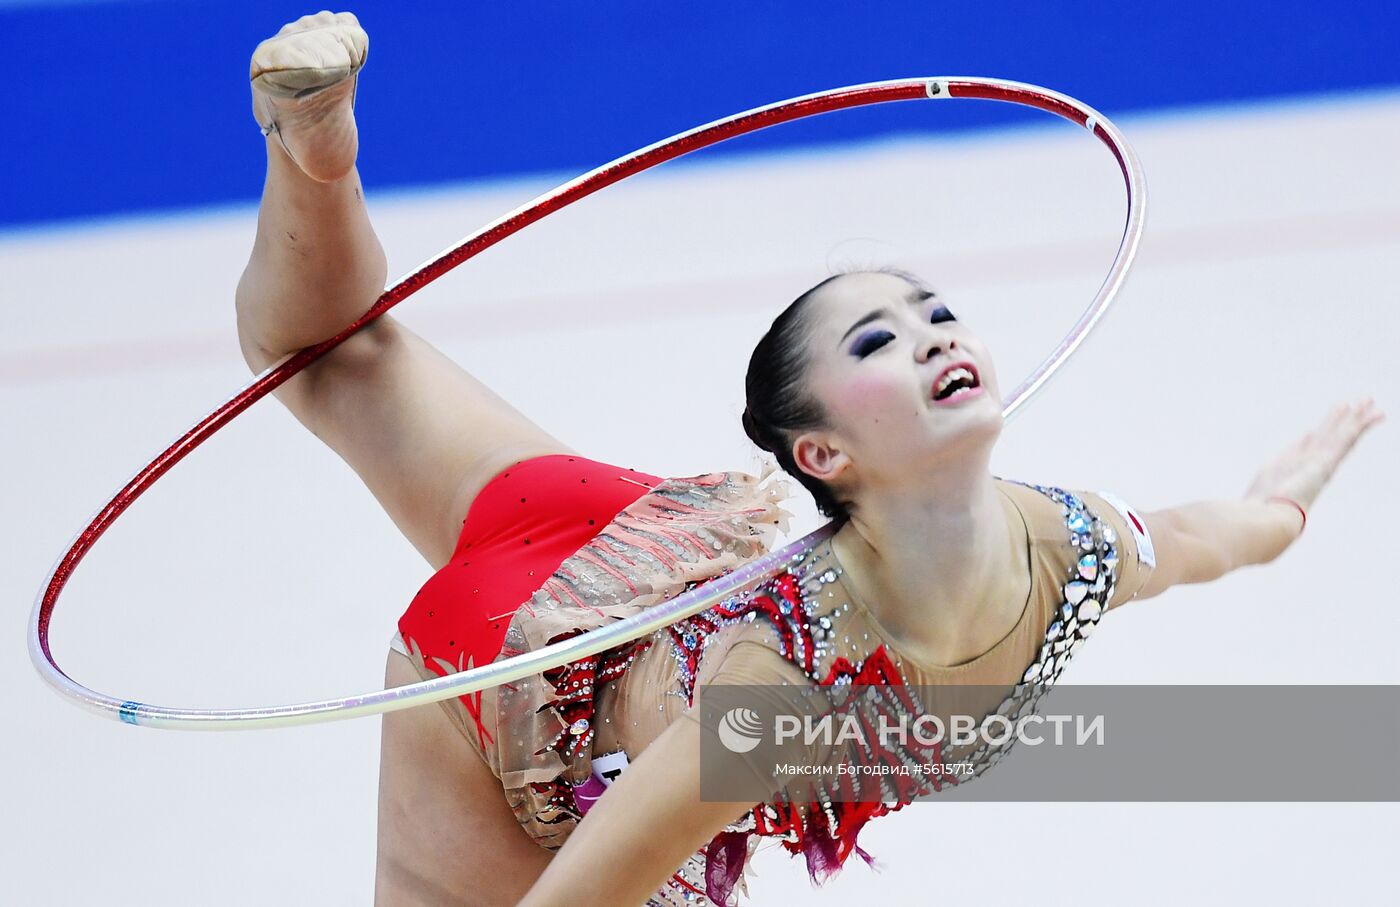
x=580 y=784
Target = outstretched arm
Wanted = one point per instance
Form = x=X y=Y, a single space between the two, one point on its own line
x=1202 y=541
x=640 y=831
x=651 y=820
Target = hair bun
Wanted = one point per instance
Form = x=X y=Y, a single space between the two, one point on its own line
x=752 y=429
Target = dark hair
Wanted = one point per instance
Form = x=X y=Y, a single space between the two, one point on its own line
x=778 y=403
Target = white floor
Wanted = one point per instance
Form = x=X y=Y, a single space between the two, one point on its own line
x=261 y=571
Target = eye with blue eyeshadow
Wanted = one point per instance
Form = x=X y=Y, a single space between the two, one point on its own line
x=869 y=343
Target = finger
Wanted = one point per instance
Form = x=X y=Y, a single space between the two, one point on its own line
x=1334 y=417
x=1355 y=419
x=1333 y=414
x=1367 y=415
x=1322 y=436
x=1340 y=434
x=1360 y=422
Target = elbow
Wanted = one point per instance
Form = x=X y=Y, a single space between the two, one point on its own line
x=1192 y=556
x=1212 y=562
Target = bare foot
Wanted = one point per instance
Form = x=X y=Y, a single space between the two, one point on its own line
x=304 y=90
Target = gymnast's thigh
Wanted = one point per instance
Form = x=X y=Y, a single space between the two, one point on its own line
x=446 y=833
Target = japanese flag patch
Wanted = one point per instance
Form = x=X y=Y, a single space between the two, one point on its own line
x=1137 y=524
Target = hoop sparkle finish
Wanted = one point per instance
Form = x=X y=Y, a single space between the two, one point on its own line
x=656 y=617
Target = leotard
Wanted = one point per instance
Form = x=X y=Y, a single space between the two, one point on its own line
x=520 y=528
x=1087 y=552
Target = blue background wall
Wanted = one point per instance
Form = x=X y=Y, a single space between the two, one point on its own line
x=115 y=107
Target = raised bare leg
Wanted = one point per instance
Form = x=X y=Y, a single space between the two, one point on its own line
x=316 y=263
x=423 y=434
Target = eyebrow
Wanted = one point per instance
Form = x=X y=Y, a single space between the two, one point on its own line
x=915 y=296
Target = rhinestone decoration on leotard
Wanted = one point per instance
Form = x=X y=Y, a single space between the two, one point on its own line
x=807 y=637
x=781 y=600
x=575 y=683
x=1087 y=587
x=1085 y=594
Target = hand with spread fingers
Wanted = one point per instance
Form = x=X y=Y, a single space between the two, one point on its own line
x=1297 y=475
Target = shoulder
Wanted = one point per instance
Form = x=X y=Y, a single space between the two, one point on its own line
x=1035 y=507
x=1050 y=510
x=1053 y=515
x=1081 y=521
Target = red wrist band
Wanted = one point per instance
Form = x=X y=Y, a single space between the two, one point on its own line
x=1295 y=504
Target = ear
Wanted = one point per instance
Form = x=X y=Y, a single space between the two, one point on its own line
x=817 y=454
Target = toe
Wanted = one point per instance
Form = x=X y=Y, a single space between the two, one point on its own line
x=335 y=49
x=305 y=23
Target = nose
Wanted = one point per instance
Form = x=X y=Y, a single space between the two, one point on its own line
x=933 y=345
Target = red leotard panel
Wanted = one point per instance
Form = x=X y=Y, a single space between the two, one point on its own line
x=522 y=525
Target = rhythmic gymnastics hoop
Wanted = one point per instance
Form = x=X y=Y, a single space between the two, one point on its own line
x=658 y=616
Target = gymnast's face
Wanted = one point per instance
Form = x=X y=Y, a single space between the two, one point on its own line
x=879 y=353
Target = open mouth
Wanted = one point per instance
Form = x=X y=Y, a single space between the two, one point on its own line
x=957 y=381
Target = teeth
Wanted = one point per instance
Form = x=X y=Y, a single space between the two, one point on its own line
x=952 y=376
